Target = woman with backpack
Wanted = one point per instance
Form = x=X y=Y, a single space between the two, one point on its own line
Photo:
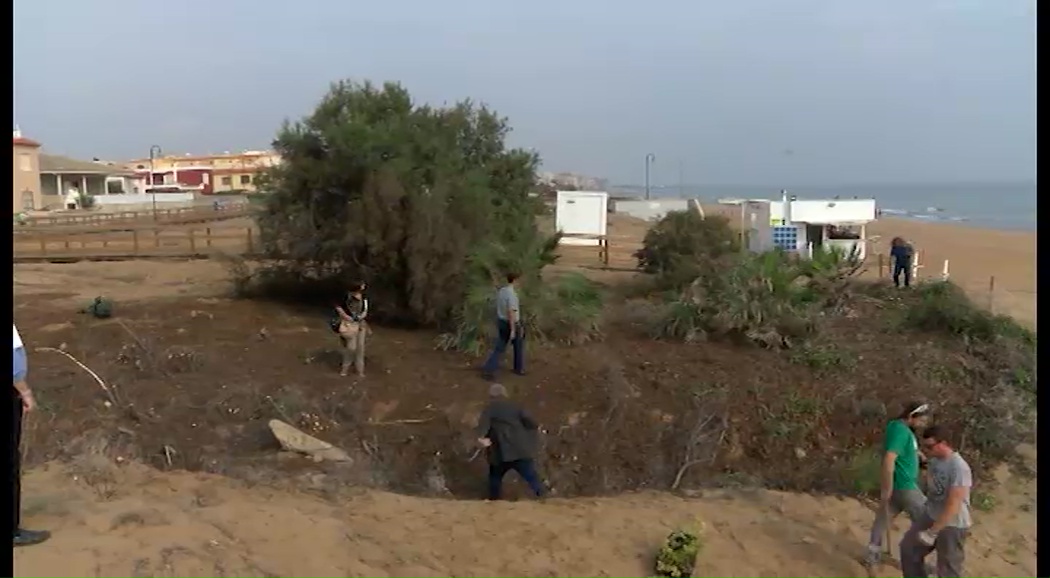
x=351 y=325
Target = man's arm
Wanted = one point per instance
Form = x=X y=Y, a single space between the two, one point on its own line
x=512 y=313
x=959 y=483
x=483 y=427
x=527 y=421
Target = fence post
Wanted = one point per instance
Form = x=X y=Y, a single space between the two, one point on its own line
x=207 y=236
x=43 y=245
x=991 y=294
x=944 y=272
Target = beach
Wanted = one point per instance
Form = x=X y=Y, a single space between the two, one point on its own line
x=975 y=256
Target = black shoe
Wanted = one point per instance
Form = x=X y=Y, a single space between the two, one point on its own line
x=521 y=373
x=30 y=537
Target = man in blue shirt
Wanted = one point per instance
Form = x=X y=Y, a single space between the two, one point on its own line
x=22 y=401
x=901 y=254
x=509 y=329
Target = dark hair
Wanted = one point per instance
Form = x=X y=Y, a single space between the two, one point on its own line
x=512 y=277
x=357 y=286
x=897 y=242
x=938 y=433
x=910 y=410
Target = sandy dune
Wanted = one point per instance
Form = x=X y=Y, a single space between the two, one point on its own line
x=128 y=520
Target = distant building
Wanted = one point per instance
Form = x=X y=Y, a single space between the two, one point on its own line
x=207 y=174
x=572 y=181
x=43 y=181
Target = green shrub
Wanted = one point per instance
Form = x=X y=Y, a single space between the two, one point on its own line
x=823 y=358
x=865 y=472
x=683 y=245
x=763 y=298
x=374 y=186
x=677 y=557
x=943 y=307
x=565 y=310
x=86 y=200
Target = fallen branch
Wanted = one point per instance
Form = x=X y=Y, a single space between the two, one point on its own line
x=400 y=421
x=681 y=472
x=98 y=380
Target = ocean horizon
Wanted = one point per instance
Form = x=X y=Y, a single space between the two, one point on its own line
x=1004 y=206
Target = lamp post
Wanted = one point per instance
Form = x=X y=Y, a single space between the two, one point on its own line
x=154 y=152
x=650 y=158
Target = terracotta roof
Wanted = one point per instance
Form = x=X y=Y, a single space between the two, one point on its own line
x=58 y=164
x=20 y=141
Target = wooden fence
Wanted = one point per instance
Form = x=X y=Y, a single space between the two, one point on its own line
x=135 y=244
x=100 y=220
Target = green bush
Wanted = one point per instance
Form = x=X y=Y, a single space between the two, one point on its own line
x=865 y=472
x=374 y=186
x=683 y=245
x=771 y=298
x=762 y=298
x=943 y=307
x=566 y=310
x=677 y=556
x=87 y=201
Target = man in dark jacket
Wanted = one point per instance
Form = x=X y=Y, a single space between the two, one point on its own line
x=509 y=436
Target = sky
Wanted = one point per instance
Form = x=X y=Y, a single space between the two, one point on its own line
x=720 y=91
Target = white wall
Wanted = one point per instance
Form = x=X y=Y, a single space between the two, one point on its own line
x=161 y=198
x=582 y=213
x=826 y=211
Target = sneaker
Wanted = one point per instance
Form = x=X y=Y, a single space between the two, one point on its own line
x=30 y=537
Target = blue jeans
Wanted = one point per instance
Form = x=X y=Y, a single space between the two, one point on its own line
x=502 y=339
x=525 y=468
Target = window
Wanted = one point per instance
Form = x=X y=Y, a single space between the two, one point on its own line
x=227 y=181
x=246 y=179
x=785 y=238
x=843 y=232
x=25 y=162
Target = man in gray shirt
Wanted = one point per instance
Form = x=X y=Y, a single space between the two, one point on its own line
x=946 y=520
x=509 y=330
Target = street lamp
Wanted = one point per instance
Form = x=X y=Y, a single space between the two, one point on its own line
x=154 y=152
x=650 y=158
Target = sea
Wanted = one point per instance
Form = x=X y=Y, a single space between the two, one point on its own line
x=1006 y=206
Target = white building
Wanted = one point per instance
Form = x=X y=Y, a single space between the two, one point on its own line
x=806 y=225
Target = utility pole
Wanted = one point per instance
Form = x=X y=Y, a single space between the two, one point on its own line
x=649 y=159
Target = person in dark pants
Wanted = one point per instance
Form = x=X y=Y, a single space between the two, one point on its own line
x=22 y=400
x=509 y=329
x=945 y=523
x=509 y=435
x=901 y=254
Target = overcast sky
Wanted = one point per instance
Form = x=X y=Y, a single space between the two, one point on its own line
x=736 y=91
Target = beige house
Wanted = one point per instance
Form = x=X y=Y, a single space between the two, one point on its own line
x=41 y=181
x=26 y=174
x=59 y=175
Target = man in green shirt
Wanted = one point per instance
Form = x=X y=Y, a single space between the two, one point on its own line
x=899 y=485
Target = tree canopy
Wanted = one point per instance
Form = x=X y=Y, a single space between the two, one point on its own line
x=418 y=201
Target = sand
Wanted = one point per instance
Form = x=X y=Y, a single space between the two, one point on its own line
x=128 y=520
x=974 y=257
